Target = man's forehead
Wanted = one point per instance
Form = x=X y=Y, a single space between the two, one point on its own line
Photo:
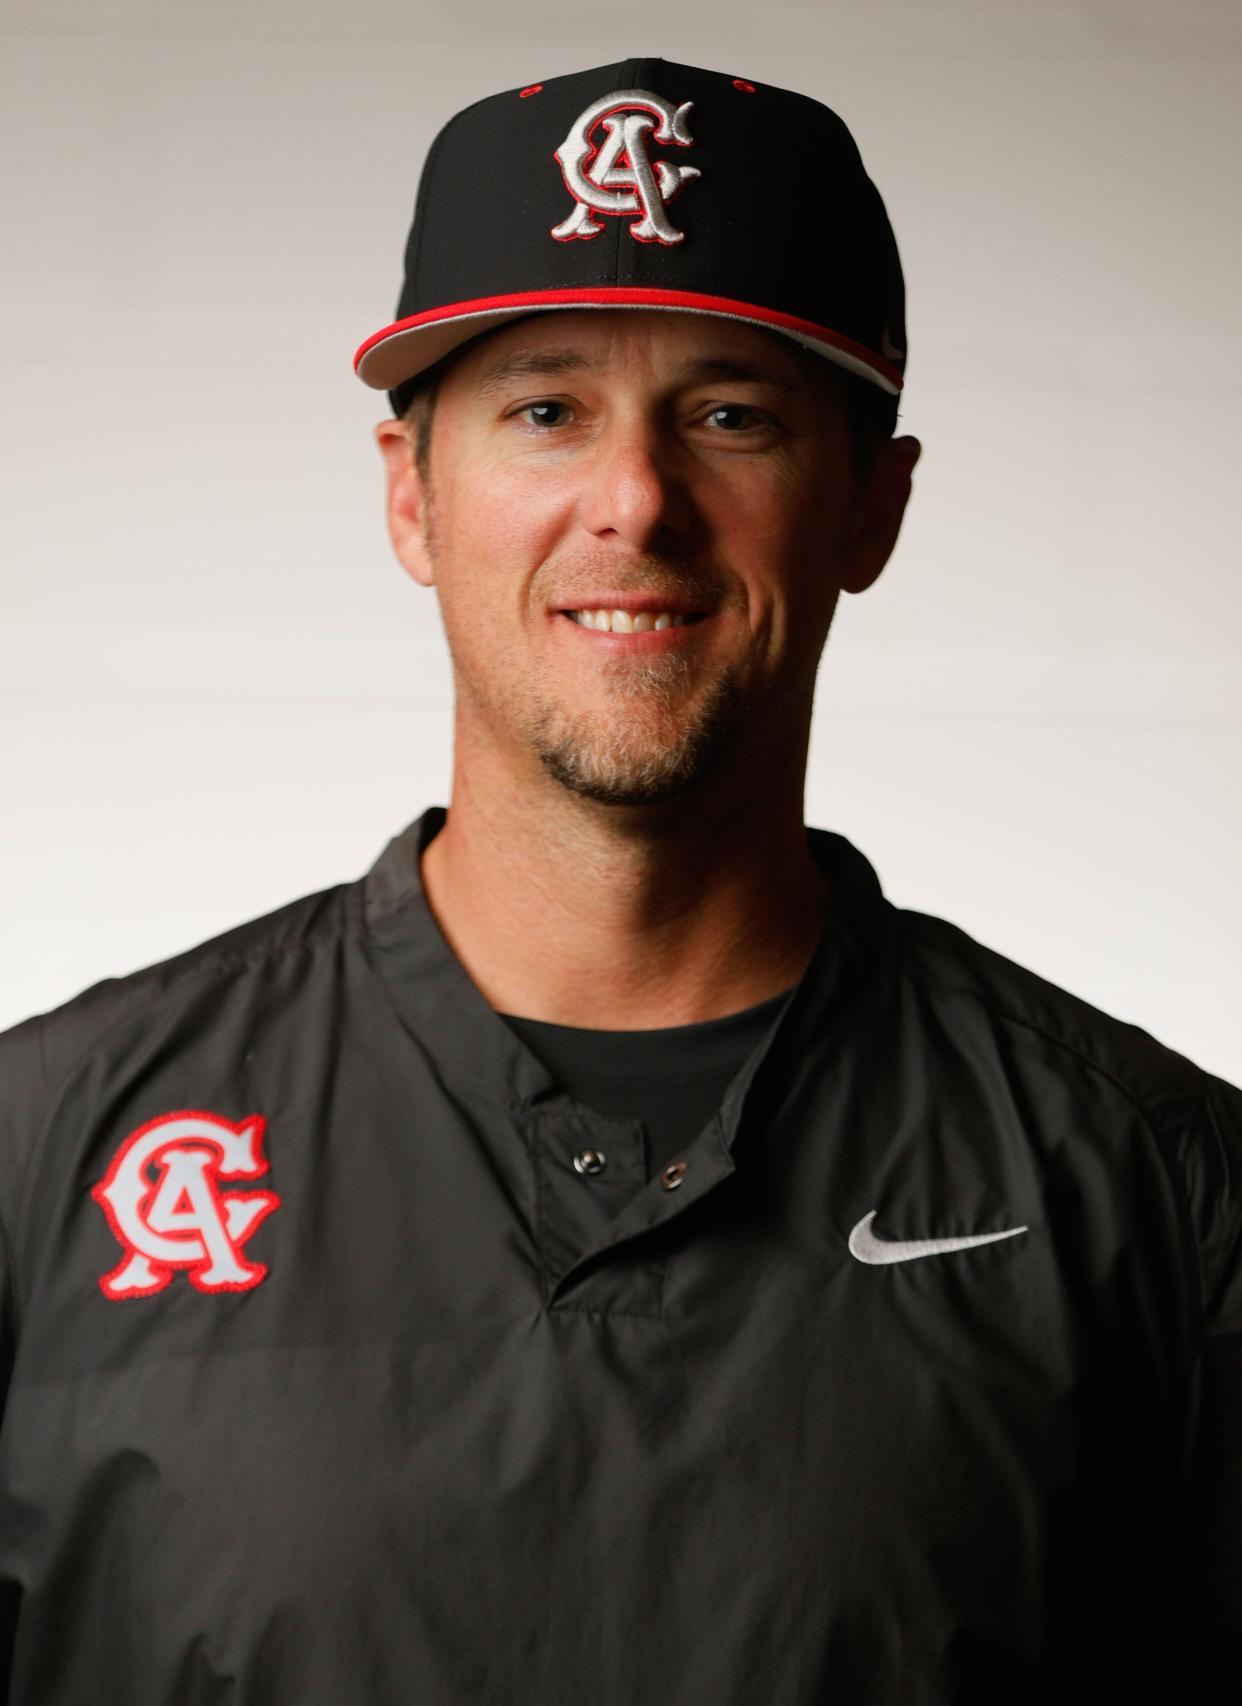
x=688 y=347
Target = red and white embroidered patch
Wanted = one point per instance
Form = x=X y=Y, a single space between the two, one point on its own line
x=163 y=1201
x=617 y=175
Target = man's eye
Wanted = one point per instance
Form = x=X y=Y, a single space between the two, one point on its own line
x=738 y=416
x=543 y=414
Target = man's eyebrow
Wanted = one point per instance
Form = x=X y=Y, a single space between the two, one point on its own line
x=551 y=363
x=733 y=372
x=524 y=364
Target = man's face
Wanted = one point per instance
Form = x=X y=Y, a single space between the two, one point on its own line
x=586 y=457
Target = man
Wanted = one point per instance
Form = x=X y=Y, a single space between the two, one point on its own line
x=608 y=1253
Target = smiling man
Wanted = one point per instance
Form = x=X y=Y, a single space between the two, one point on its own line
x=609 y=1255
x=639 y=525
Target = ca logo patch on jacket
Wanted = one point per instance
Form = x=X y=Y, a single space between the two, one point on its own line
x=164 y=1204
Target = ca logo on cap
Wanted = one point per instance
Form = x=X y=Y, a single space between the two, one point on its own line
x=619 y=176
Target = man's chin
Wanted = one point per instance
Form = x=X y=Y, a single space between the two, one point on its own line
x=621 y=768
x=639 y=753
x=620 y=788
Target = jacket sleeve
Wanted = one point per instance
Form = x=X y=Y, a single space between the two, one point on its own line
x=1205 y=1574
x=23 y=1101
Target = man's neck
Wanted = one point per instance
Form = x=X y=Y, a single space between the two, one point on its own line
x=557 y=917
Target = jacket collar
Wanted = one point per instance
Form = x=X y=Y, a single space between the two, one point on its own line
x=444 y=1009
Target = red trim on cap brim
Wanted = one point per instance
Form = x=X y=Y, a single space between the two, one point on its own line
x=383 y=377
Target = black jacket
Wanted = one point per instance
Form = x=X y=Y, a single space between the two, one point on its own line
x=333 y=1381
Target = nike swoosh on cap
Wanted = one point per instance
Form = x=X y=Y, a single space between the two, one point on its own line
x=868 y=1248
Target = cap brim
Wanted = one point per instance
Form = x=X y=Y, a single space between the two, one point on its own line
x=406 y=348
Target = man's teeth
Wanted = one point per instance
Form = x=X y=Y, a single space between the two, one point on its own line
x=623 y=622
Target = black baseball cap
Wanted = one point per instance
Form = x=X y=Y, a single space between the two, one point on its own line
x=651 y=185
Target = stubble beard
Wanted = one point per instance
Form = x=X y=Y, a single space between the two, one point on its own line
x=656 y=740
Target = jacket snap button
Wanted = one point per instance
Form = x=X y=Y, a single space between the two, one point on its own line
x=591 y=1161
x=673 y=1174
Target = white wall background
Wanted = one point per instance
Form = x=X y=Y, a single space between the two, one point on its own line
x=219 y=690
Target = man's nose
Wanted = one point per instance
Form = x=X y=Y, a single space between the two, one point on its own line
x=636 y=488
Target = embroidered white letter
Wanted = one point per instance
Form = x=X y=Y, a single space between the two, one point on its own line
x=163 y=1203
x=590 y=173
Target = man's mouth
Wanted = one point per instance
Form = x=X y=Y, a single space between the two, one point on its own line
x=634 y=622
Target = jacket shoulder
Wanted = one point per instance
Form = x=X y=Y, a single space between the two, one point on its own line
x=37 y=1053
x=943 y=957
x=1194 y=1116
x=63 y=1031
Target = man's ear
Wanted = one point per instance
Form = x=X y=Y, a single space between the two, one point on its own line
x=408 y=502
x=878 y=513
